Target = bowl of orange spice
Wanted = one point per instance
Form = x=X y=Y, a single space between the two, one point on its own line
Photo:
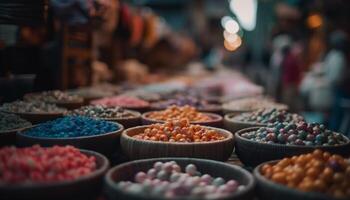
x=185 y=112
x=319 y=175
x=177 y=138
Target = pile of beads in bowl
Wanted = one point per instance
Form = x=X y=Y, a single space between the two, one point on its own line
x=302 y=133
x=269 y=115
x=72 y=126
x=43 y=165
x=31 y=107
x=184 y=100
x=122 y=101
x=167 y=180
x=53 y=96
x=178 y=113
x=179 y=131
x=250 y=104
x=102 y=112
x=10 y=122
x=313 y=172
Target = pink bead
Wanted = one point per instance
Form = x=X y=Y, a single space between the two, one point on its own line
x=140 y=177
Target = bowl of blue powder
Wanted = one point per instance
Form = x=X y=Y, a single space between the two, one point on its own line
x=81 y=132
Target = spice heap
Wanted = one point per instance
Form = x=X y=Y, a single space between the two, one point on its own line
x=178 y=113
x=313 y=172
x=179 y=131
x=250 y=104
x=72 y=126
x=53 y=97
x=102 y=112
x=269 y=115
x=122 y=101
x=43 y=165
x=183 y=101
x=166 y=180
x=31 y=107
x=301 y=133
x=10 y=122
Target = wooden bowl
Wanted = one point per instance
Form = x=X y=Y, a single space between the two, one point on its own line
x=106 y=143
x=140 y=109
x=36 y=118
x=215 y=110
x=9 y=137
x=127 y=171
x=139 y=149
x=227 y=109
x=85 y=187
x=215 y=121
x=127 y=122
x=267 y=189
x=234 y=125
x=71 y=105
x=253 y=153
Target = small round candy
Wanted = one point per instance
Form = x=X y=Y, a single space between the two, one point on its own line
x=191 y=169
x=218 y=181
x=140 y=177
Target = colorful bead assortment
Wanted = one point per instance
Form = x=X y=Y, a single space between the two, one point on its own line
x=313 y=172
x=296 y=134
x=43 y=165
x=179 y=131
x=102 y=112
x=31 y=107
x=10 y=122
x=72 y=126
x=251 y=104
x=270 y=115
x=122 y=101
x=53 y=97
x=166 y=180
x=178 y=113
x=185 y=100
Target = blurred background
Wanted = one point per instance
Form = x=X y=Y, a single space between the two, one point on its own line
x=296 y=50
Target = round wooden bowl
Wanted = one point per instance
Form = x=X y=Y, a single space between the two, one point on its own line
x=227 y=109
x=267 y=189
x=139 y=149
x=106 y=143
x=127 y=122
x=127 y=171
x=8 y=137
x=85 y=187
x=36 y=118
x=234 y=125
x=140 y=109
x=216 y=120
x=253 y=153
x=71 y=105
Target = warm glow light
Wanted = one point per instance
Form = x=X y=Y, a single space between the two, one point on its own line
x=224 y=20
x=232 y=26
x=245 y=11
x=314 y=21
x=232 y=46
x=229 y=37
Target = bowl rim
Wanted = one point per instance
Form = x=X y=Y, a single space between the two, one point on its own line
x=15 y=130
x=226 y=107
x=230 y=118
x=215 y=107
x=228 y=134
x=36 y=113
x=214 y=118
x=260 y=178
x=250 y=186
x=78 y=100
x=104 y=167
x=22 y=134
x=136 y=114
x=238 y=135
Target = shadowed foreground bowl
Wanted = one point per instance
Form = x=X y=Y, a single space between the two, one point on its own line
x=127 y=171
x=215 y=120
x=86 y=187
x=106 y=143
x=253 y=153
x=8 y=137
x=234 y=125
x=267 y=189
x=139 y=149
